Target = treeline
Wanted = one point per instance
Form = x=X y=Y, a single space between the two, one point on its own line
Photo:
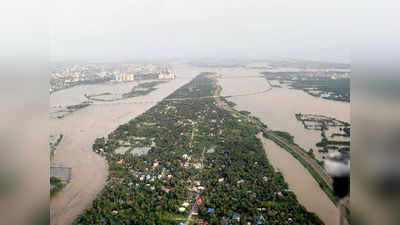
x=142 y=89
x=325 y=87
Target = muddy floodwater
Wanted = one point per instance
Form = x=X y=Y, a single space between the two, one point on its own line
x=307 y=190
x=82 y=127
x=277 y=108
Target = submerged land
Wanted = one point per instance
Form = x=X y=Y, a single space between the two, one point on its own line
x=207 y=166
x=199 y=155
x=80 y=128
x=331 y=85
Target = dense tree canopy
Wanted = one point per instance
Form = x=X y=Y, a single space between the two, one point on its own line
x=197 y=149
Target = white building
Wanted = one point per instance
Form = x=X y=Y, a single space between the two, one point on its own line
x=125 y=77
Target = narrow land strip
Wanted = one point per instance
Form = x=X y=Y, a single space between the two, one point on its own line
x=232 y=182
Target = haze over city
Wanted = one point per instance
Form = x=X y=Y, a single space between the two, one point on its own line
x=124 y=30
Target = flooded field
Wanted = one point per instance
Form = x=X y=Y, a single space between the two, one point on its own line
x=81 y=128
x=76 y=95
x=277 y=108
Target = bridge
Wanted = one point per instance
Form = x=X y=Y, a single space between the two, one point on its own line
x=119 y=102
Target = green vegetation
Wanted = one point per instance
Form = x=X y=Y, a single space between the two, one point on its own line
x=142 y=89
x=72 y=108
x=97 y=95
x=85 y=82
x=325 y=142
x=53 y=146
x=201 y=154
x=55 y=185
x=139 y=90
x=285 y=135
x=323 y=124
x=290 y=139
x=229 y=103
x=348 y=214
x=337 y=89
x=244 y=112
x=259 y=122
x=82 y=105
x=316 y=176
x=307 y=64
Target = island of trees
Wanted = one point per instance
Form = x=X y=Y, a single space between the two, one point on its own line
x=197 y=159
x=326 y=86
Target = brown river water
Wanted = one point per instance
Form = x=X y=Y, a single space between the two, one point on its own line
x=82 y=127
x=277 y=108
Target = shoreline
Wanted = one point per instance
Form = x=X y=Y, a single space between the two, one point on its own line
x=308 y=190
x=324 y=208
x=89 y=170
x=150 y=178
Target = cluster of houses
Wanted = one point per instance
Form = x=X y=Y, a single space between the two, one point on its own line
x=148 y=176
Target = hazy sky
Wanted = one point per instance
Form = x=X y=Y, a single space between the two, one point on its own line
x=131 y=29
